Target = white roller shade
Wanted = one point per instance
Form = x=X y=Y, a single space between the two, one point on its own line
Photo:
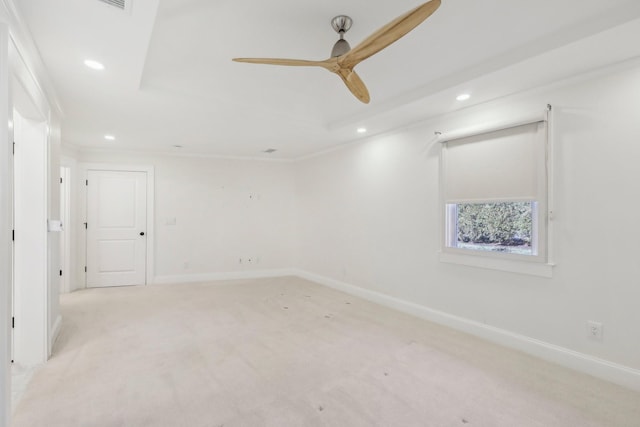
x=507 y=164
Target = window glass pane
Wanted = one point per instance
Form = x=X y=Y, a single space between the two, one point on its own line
x=506 y=227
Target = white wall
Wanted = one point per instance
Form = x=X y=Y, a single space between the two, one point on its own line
x=366 y=218
x=369 y=217
x=23 y=65
x=224 y=210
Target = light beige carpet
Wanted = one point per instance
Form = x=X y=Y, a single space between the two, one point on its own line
x=287 y=352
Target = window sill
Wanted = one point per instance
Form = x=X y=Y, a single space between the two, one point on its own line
x=514 y=266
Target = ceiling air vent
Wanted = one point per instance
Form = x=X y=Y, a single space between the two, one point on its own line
x=120 y=4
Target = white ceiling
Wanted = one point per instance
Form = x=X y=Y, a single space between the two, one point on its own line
x=169 y=79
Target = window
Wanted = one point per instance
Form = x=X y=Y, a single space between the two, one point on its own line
x=494 y=197
x=504 y=227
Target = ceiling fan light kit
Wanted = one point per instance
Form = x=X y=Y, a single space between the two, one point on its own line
x=344 y=59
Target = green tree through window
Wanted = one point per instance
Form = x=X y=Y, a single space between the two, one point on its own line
x=504 y=226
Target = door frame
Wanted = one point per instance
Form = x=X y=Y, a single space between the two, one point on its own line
x=65 y=235
x=113 y=167
x=6 y=224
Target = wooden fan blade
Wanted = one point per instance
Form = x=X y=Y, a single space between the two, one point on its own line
x=355 y=84
x=388 y=34
x=287 y=62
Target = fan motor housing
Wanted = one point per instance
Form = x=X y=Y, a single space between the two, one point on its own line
x=340 y=48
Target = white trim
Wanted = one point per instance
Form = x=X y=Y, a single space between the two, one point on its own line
x=151 y=225
x=171 y=153
x=28 y=51
x=550 y=155
x=230 y=275
x=600 y=368
x=6 y=208
x=538 y=265
x=71 y=227
x=492 y=127
x=511 y=265
x=24 y=78
x=65 y=235
x=55 y=332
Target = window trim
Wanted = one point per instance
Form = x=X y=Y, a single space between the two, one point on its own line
x=542 y=269
x=537 y=265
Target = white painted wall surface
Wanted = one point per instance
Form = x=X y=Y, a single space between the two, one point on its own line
x=224 y=210
x=369 y=217
x=27 y=68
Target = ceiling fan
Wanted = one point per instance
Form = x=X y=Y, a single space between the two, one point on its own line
x=343 y=59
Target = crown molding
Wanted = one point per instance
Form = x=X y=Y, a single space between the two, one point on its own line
x=28 y=50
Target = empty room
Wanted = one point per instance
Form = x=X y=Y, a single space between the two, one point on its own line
x=336 y=213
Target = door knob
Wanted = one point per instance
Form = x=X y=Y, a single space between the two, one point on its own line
x=142 y=233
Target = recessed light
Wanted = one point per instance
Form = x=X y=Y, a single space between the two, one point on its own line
x=463 y=97
x=94 y=65
x=110 y=137
x=362 y=130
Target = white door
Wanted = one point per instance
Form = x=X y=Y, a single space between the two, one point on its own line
x=116 y=228
x=30 y=270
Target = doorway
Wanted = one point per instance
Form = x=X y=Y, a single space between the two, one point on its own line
x=116 y=227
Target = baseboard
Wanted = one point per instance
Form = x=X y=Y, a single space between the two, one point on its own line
x=55 y=332
x=231 y=275
x=600 y=368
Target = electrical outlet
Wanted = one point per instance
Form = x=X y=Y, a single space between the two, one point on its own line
x=594 y=330
x=185 y=265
